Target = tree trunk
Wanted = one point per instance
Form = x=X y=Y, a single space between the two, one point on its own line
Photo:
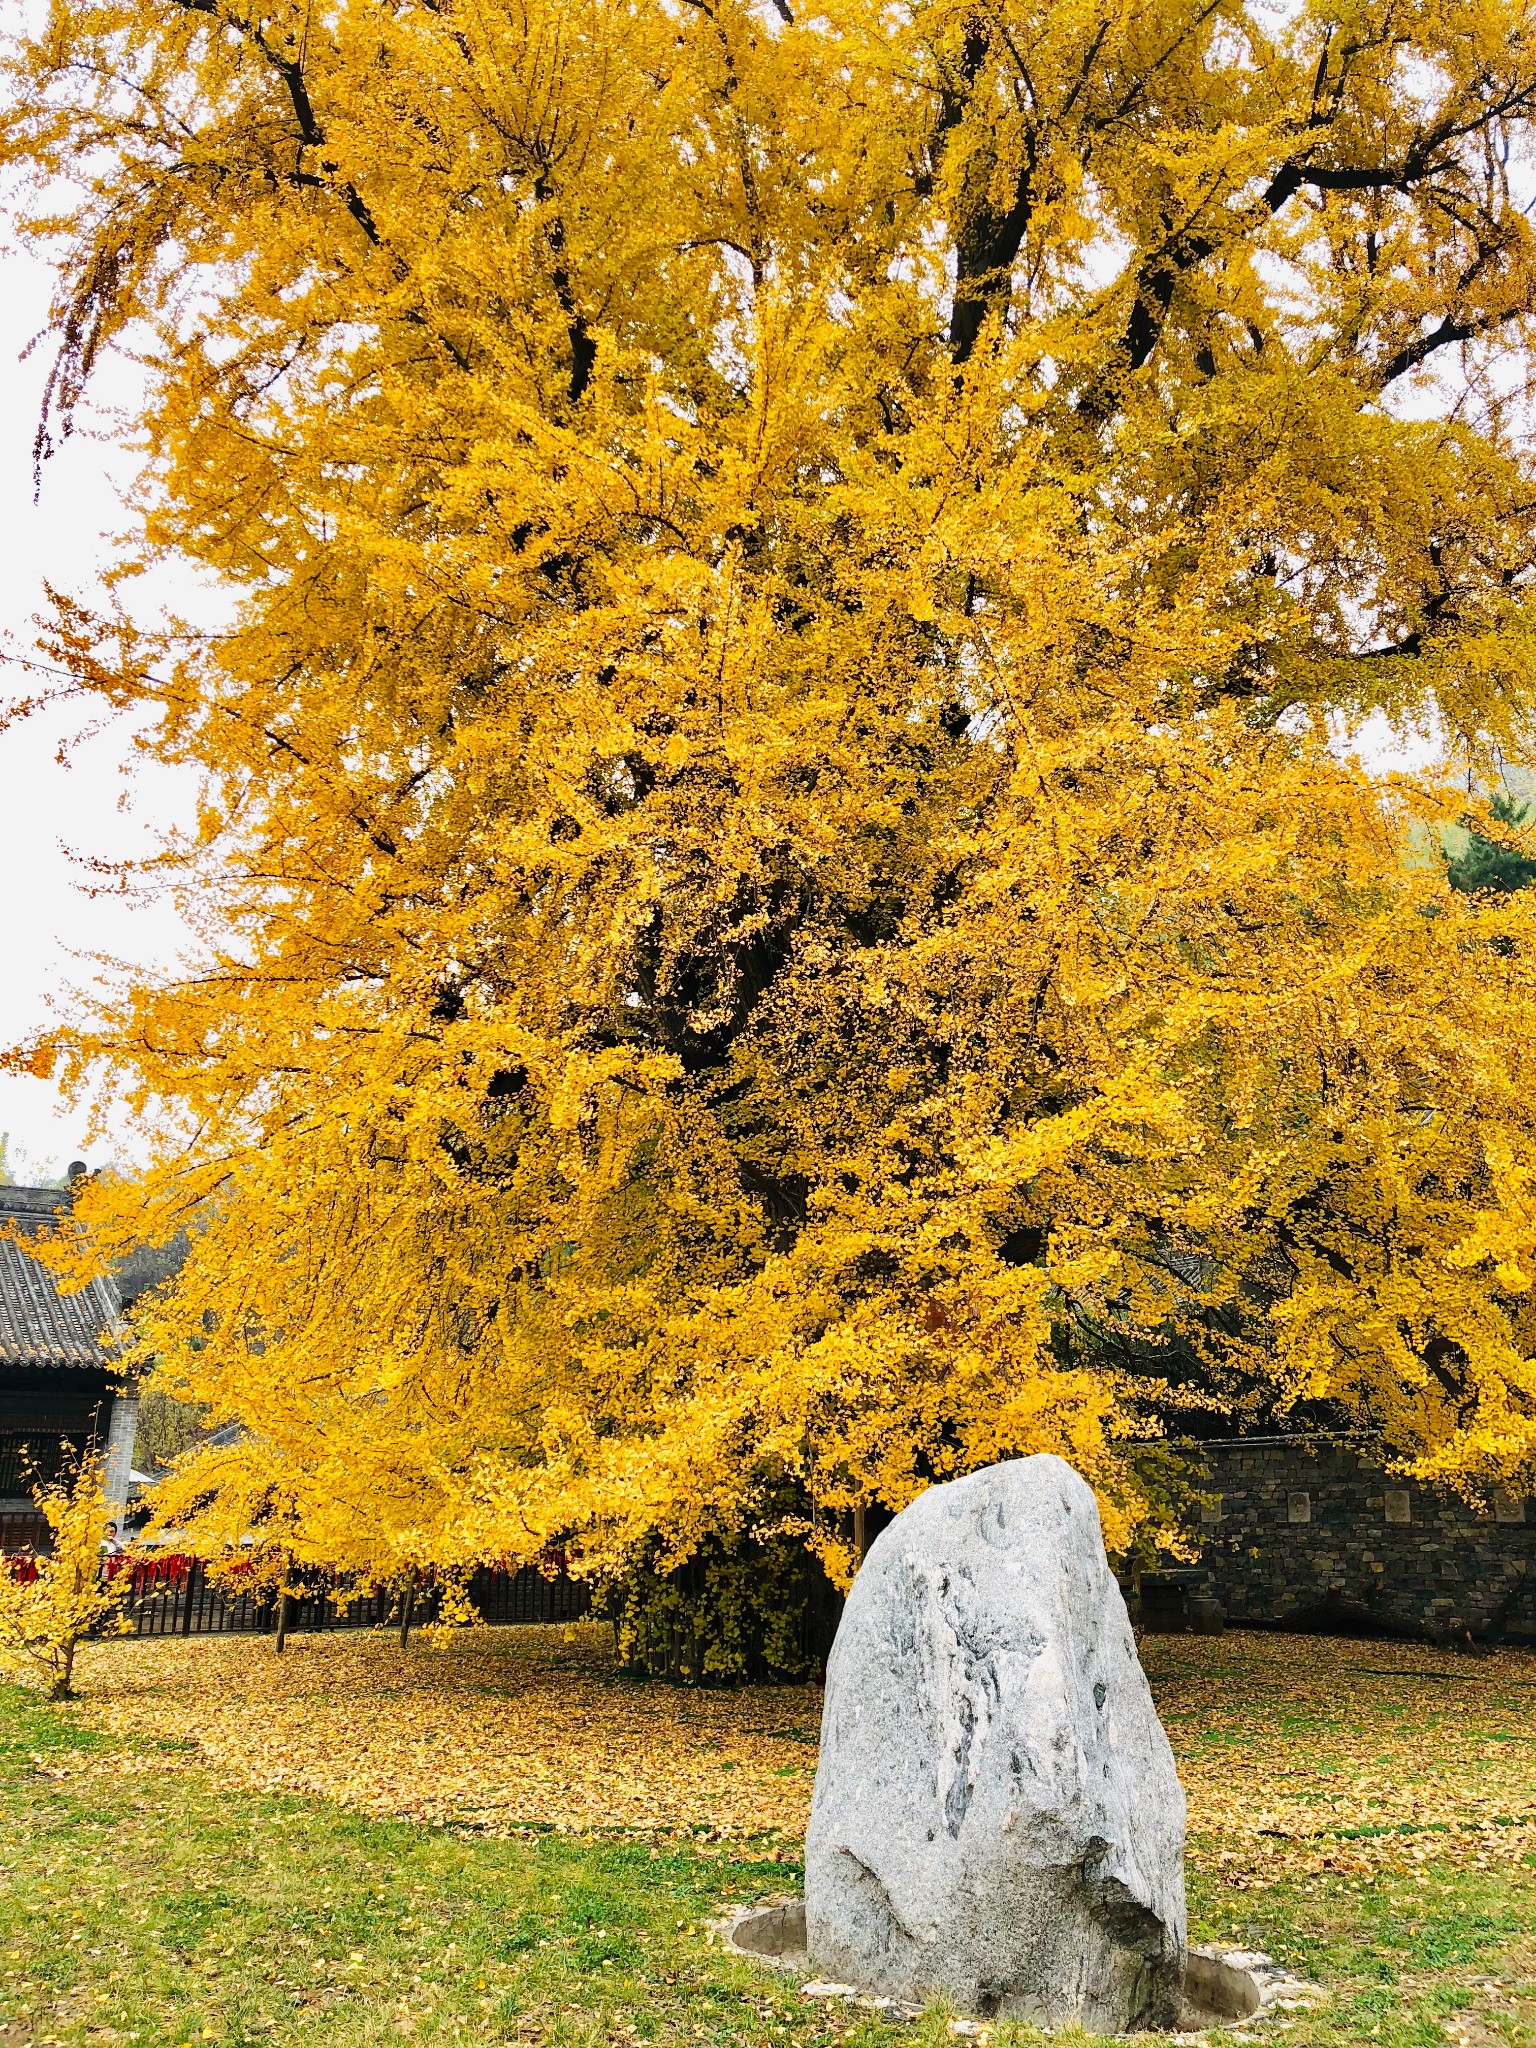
x=407 y=1606
x=282 y=1621
x=63 y=1677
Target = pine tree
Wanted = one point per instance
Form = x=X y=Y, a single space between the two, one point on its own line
x=1481 y=864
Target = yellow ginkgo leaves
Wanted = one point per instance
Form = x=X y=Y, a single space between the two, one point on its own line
x=783 y=915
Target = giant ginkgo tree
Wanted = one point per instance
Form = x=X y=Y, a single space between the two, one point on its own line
x=785 y=907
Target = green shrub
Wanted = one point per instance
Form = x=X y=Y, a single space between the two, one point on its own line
x=742 y=1609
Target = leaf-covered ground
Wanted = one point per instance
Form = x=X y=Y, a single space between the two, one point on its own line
x=1302 y=1754
x=145 y=1905
x=199 y=1854
x=505 y=1728
x=1299 y=1754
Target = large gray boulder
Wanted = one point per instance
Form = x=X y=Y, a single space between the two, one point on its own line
x=997 y=1818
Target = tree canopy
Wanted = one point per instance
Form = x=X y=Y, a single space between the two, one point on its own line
x=784 y=915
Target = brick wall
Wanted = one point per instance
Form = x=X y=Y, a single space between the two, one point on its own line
x=1316 y=1532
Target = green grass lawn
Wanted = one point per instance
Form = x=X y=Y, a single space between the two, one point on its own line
x=155 y=1906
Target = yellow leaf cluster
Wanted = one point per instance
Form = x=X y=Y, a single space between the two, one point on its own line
x=783 y=912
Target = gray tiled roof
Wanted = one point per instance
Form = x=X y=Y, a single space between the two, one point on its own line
x=38 y=1325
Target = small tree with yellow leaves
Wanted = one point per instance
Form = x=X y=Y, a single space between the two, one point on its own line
x=50 y=1604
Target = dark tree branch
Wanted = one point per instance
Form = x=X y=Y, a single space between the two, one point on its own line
x=1439 y=609
x=1162 y=268
x=1139 y=85
x=311 y=135
x=578 y=328
x=986 y=242
x=1155 y=284
x=1446 y=335
x=985 y=250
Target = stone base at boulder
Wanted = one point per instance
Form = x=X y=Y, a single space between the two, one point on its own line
x=1222 y=1988
x=997 y=1819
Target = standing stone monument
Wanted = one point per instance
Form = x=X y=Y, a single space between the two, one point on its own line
x=997 y=1818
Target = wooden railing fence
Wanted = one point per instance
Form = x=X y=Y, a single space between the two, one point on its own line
x=177 y=1596
x=174 y=1595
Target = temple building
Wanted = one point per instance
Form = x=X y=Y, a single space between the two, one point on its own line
x=61 y=1391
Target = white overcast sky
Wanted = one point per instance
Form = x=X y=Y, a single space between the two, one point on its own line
x=49 y=811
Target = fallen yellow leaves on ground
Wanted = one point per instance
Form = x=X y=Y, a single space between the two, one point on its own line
x=505 y=1728
x=1299 y=1754
x=1302 y=1754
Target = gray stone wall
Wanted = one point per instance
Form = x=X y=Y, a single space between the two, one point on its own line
x=1309 y=1530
